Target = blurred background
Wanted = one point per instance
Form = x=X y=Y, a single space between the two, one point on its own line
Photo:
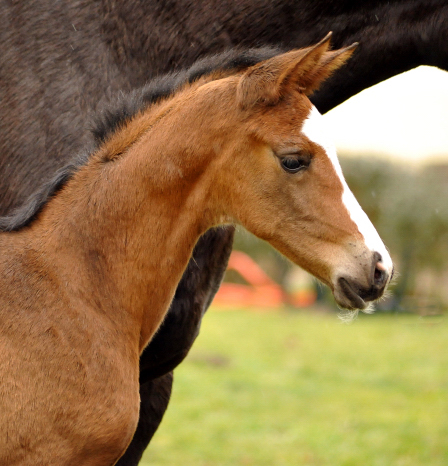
x=275 y=378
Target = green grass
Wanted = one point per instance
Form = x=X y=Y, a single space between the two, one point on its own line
x=301 y=389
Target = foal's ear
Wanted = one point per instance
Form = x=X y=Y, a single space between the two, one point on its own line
x=304 y=69
x=329 y=62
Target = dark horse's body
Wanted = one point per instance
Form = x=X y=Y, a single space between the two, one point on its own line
x=60 y=62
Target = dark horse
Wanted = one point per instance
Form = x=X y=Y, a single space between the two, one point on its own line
x=62 y=61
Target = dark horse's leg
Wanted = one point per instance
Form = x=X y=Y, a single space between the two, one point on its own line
x=176 y=335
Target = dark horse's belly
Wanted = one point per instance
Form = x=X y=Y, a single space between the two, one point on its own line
x=60 y=62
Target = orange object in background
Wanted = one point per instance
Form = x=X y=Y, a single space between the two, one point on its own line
x=261 y=291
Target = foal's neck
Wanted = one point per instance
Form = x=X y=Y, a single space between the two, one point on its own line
x=120 y=233
x=122 y=238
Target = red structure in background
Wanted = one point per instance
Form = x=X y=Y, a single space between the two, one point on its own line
x=261 y=291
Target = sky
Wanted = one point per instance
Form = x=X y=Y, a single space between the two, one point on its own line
x=404 y=118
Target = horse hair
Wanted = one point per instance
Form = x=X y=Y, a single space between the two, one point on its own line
x=127 y=106
x=123 y=110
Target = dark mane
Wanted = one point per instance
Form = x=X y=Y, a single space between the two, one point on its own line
x=123 y=110
x=127 y=106
x=25 y=214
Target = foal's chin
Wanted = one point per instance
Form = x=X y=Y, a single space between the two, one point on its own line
x=352 y=296
x=349 y=301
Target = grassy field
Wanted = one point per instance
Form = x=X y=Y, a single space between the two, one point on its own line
x=304 y=389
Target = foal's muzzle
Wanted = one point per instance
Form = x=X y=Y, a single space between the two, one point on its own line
x=353 y=293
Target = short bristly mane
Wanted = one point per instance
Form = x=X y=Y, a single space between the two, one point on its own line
x=127 y=106
x=119 y=113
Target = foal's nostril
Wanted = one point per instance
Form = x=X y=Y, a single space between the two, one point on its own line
x=380 y=275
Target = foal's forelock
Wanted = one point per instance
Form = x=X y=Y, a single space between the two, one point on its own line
x=314 y=128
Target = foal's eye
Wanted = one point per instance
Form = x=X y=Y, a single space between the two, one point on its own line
x=294 y=163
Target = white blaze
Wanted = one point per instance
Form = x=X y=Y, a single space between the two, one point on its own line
x=314 y=128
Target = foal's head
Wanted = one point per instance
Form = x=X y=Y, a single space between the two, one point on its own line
x=278 y=175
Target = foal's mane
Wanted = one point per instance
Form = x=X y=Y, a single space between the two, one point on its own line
x=124 y=109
